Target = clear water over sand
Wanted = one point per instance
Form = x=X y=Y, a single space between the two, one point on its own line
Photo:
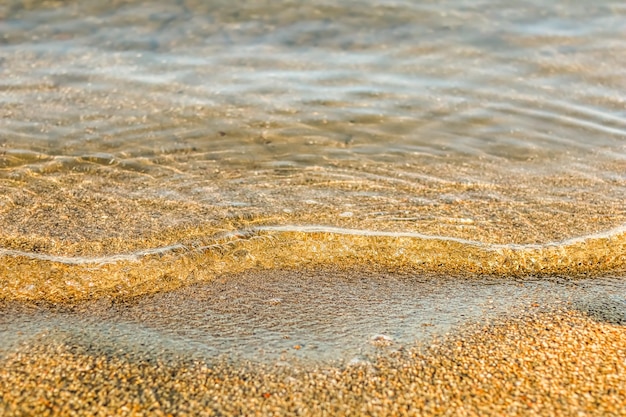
x=146 y=147
x=302 y=318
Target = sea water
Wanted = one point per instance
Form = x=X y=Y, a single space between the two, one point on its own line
x=244 y=178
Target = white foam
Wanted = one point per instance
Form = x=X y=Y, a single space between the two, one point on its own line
x=137 y=255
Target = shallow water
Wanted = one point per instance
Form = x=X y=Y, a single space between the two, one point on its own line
x=307 y=318
x=149 y=146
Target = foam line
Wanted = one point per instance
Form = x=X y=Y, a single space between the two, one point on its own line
x=475 y=243
x=136 y=256
x=81 y=260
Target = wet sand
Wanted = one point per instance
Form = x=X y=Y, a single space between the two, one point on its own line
x=546 y=363
x=525 y=347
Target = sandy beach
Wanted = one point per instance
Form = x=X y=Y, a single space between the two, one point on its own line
x=544 y=363
x=361 y=208
x=469 y=348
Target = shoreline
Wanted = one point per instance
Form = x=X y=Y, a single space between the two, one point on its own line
x=546 y=363
x=524 y=348
x=331 y=315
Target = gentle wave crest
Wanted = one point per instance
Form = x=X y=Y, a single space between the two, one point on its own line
x=66 y=278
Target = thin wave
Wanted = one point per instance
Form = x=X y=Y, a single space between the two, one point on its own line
x=310 y=229
x=82 y=260
x=616 y=231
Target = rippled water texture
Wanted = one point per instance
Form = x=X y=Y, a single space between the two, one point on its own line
x=149 y=146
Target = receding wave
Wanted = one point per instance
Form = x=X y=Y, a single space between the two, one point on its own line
x=39 y=276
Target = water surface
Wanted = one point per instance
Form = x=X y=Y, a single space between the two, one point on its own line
x=149 y=146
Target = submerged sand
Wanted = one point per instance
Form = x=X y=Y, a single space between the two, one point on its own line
x=544 y=363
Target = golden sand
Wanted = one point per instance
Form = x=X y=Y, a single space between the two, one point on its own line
x=94 y=229
x=33 y=277
x=74 y=229
x=559 y=363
